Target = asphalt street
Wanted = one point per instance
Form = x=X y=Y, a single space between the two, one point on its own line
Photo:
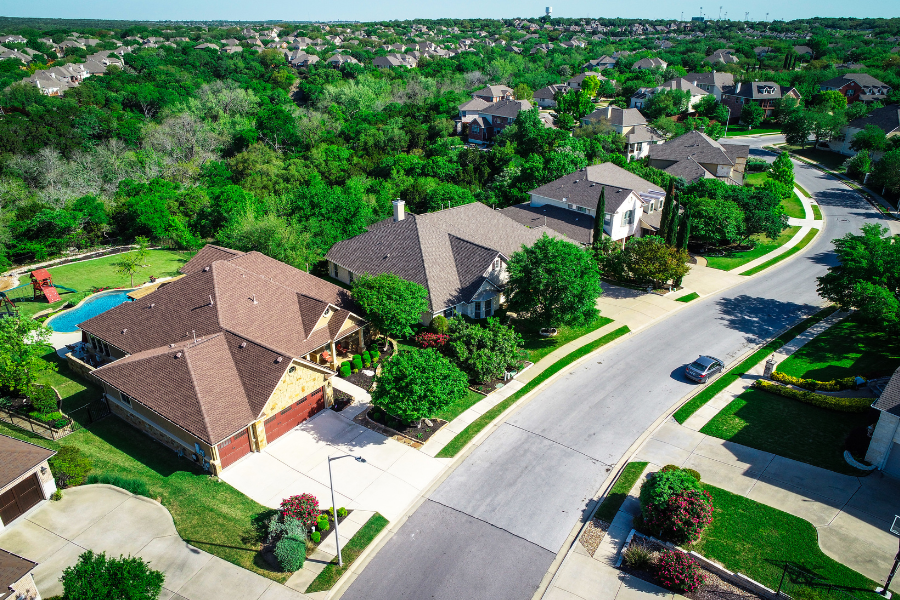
x=494 y=526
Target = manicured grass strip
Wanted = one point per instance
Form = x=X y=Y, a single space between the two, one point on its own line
x=817 y=213
x=787 y=428
x=355 y=546
x=613 y=501
x=764 y=245
x=688 y=297
x=803 y=243
x=793 y=206
x=469 y=433
x=537 y=346
x=454 y=410
x=733 y=374
x=802 y=189
x=758 y=541
x=737 y=131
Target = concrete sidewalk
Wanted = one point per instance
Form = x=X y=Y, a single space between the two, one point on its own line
x=104 y=518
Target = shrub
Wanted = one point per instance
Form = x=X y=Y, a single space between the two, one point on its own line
x=56 y=496
x=756 y=165
x=367 y=359
x=53 y=419
x=418 y=384
x=316 y=537
x=831 y=402
x=637 y=556
x=835 y=385
x=682 y=518
x=357 y=362
x=69 y=467
x=304 y=508
x=342 y=512
x=291 y=553
x=432 y=340
x=678 y=571
x=280 y=527
x=439 y=324
x=345 y=369
x=375 y=354
x=322 y=523
x=664 y=484
x=44 y=400
x=692 y=472
x=135 y=486
x=330 y=511
x=96 y=576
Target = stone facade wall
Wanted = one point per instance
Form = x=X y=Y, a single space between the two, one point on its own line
x=25 y=589
x=81 y=368
x=882 y=439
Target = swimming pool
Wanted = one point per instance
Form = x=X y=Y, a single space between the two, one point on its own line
x=68 y=320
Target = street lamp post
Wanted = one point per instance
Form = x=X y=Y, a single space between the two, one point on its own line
x=334 y=508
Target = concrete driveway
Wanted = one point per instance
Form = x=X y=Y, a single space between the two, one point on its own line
x=391 y=479
x=104 y=518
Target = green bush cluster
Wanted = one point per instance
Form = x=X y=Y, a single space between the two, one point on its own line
x=135 y=486
x=820 y=400
x=322 y=523
x=835 y=385
x=44 y=399
x=291 y=552
x=440 y=324
x=664 y=484
x=345 y=369
x=316 y=537
x=342 y=512
x=286 y=527
x=54 y=419
x=366 y=359
x=357 y=363
x=692 y=472
x=69 y=467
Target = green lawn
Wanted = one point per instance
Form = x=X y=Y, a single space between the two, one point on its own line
x=619 y=491
x=787 y=428
x=688 y=297
x=756 y=178
x=764 y=245
x=802 y=189
x=738 y=130
x=100 y=272
x=829 y=160
x=793 y=207
x=350 y=552
x=457 y=408
x=731 y=375
x=845 y=349
x=538 y=347
x=208 y=513
x=759 y=541
x=794 y=250
x=817 y=212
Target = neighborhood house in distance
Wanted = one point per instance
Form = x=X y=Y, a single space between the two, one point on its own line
x=224 y=359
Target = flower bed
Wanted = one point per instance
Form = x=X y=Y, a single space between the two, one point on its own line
x=296 y=530
x=386 y=424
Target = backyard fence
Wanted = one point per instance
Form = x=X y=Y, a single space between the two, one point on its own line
x=45 y=430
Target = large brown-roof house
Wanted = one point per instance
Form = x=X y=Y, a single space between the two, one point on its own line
x=764 y=93
x=568 y=205
x=222 y=361
x=458 y=254
x=630 y=123
x=857 y=87
x=491 y=119
x=695 y=155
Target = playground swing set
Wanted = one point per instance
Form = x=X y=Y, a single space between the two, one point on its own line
x=42 y=287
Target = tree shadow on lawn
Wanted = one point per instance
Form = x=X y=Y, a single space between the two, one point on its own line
x=761 y=318
x=817 y=584
x=843 y=198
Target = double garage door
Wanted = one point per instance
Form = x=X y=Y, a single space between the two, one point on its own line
x=20 y=498
x=279 y=424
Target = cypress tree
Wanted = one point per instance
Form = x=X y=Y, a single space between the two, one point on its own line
x=785 y=62
x=672 y=226
x=667 y=209
x=599 y=218
x=684 y=231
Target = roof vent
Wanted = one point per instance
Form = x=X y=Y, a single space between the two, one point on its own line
x=279 y=359
x=178 y=354
x=206 y=268
x=171 y=345
x=124 y=331
x=242 y=345
x=254 y=299
x=152 y=304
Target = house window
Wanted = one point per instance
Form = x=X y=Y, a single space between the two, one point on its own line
x=126 y=399
x=581 y=209
x=607 y=218
x=628 y=217
x=475 y=128
x=449 y=312
x=496 y=263
x=478 y=310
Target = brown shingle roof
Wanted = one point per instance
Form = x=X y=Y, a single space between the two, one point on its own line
x=576 y=226
x=18 y=458
x=13 y=568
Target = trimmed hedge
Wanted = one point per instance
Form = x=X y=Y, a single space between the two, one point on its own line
x=820 y=400
x=835 y=385
x=137 y=487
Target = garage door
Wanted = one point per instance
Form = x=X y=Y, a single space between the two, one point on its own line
x=234 y=448
x=279 y=424
x=892 y=465
x=20 y=498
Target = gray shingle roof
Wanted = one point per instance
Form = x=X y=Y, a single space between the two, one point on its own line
x=700 y=147
x=575 y=226
x=889 y=401
x=714 y=78
x=506 y=108
x=886 y=118
x=582 y=188
x=447 y=251
x=863 y=79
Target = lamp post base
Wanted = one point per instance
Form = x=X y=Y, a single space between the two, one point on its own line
x=883 y=592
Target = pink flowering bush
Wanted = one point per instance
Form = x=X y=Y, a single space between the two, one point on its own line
x=682 y=518
x=304 y=508
x=678 y=571
x=432 y=340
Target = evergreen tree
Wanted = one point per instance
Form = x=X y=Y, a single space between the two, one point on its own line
x=667 y=209
x=684 y=231
x=599 y=218
x=672 y=225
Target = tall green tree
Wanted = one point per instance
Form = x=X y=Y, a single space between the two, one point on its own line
x=554 y=282
x=752 y=114
x=666 y=215
x=783 y=170
x=886 y=172
x=672 y=226
x=392 y=304
x=417 y=384
x=684 y=231
x=600 y=216
x=486 y=351
x=23 y=344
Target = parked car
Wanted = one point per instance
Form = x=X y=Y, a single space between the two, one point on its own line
x=704 y=368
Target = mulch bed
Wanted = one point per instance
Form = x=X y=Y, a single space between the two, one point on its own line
x=341 y=401
x=714 y=588
x=494 y=384
x=392 y=426
x=365 y=381
x=268 y=550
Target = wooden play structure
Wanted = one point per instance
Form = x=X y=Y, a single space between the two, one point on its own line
x=42 y=285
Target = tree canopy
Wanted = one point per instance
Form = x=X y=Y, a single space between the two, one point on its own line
x=392 y=304
x=417 y=384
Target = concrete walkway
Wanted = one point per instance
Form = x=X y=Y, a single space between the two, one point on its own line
x=105 y=518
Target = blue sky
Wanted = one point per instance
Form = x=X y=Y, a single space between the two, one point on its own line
x=367 y=10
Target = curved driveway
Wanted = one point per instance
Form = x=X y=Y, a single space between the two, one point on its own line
x=492 y=529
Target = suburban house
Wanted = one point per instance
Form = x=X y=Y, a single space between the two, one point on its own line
x=494 y=93
x=857 y=87
x=339 y=60
x=763 y=93
x=712 y=82
x=15 y=577
x=575 y=82
x=722 y=57
x=884 y=448
x=486 y=121
x=630 y=123
x=458 y=254
x=804 y=51
x=650 y=63
x=395 y=60
x=886 y=118
x=597 y=64
x=695 y=155
x=25 y=479
x=568 y=205
x=225 y=359
x=546 y=96
x=641 y=96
